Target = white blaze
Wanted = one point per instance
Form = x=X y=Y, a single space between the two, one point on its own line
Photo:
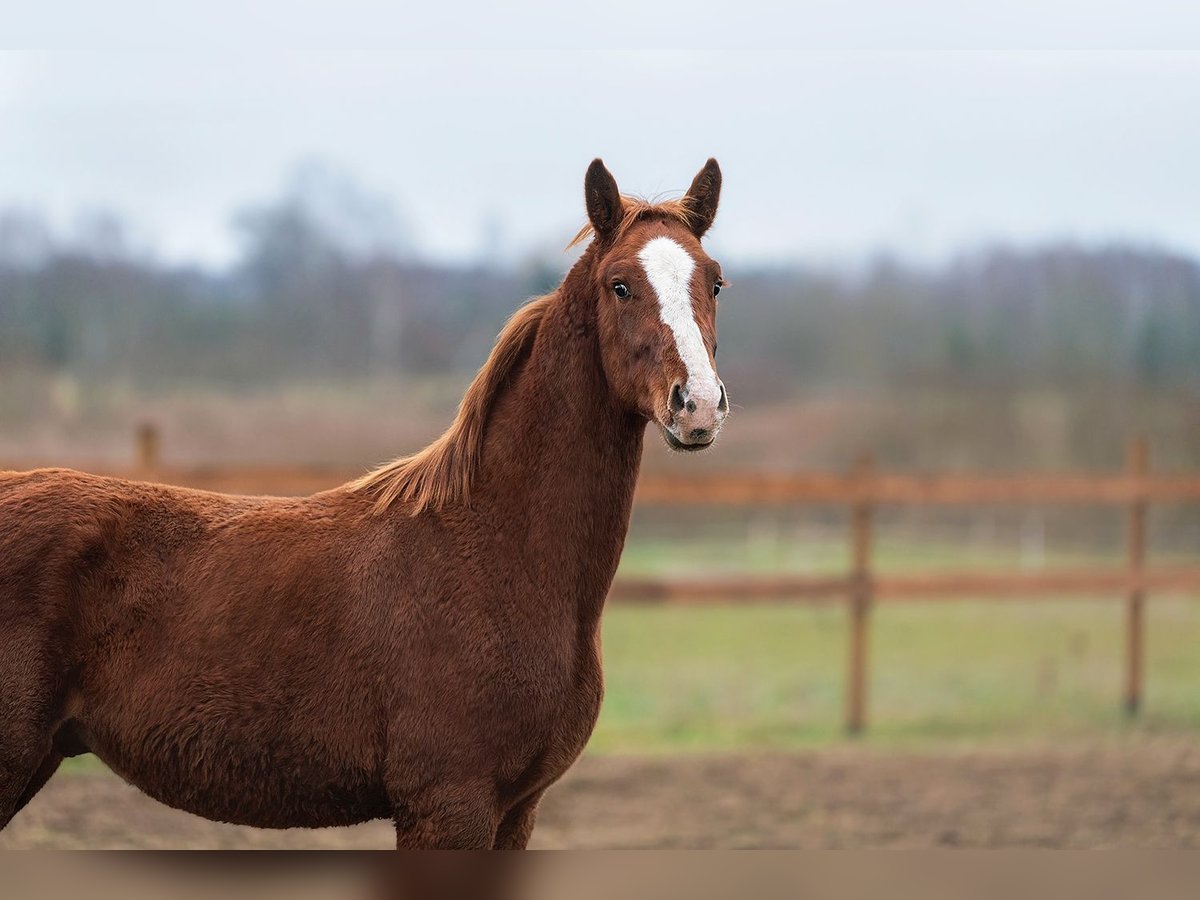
x=669 y=268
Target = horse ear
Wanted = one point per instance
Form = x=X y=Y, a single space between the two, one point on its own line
x=702 y=197
x=603 y=199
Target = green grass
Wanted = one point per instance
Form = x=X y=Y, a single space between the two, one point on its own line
x=772 y=675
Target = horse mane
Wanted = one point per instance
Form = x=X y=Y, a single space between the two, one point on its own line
x=636 y=208
x=443 y=472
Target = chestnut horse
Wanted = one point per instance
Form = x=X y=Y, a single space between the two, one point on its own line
x=421 y=644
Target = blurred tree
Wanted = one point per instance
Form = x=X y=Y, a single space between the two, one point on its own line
x=328 y=285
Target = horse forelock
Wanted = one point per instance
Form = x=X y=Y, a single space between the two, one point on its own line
x=635 y=209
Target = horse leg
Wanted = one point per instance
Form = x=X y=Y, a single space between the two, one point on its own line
x=460 y=817
x=27 y=761
x=517 y=825
x=28 y=720
x=48 y=767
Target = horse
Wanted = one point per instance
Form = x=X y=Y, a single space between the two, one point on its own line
x=419 y=645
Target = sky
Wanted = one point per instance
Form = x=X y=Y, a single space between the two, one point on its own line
x=827 y=154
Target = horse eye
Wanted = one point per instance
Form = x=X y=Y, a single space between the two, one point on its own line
x=716 y=288
x=620 y=290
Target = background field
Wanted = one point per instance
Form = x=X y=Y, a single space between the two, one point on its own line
x=772 y=677
x=959 y=263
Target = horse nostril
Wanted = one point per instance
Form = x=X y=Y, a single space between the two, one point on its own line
x=691 y=406
x=723 y=403
x=677 y=399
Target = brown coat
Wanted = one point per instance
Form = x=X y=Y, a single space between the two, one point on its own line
x=421 y=645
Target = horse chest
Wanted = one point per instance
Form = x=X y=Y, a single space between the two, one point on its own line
x=554 y=726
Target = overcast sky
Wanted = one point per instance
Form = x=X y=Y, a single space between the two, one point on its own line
x=826 y=155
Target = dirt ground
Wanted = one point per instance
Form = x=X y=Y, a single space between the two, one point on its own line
x=1145 y=794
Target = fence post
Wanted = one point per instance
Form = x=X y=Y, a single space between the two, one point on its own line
x=1137 y=465
x=148 y=446
x=861 y=596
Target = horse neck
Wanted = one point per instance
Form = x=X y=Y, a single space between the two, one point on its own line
x=561 y=458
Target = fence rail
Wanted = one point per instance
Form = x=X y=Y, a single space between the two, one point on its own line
x=862 y=490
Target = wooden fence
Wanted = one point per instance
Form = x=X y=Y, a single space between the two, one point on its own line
x=863 y=490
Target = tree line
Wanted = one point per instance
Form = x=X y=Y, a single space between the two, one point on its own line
x=310 y=295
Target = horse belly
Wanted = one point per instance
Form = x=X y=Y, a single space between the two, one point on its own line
x=239 y=751
x=247 y=784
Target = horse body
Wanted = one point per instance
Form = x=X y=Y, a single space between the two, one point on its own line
x=336 y=658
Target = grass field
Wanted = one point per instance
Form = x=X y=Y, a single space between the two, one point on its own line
x=771 y=675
